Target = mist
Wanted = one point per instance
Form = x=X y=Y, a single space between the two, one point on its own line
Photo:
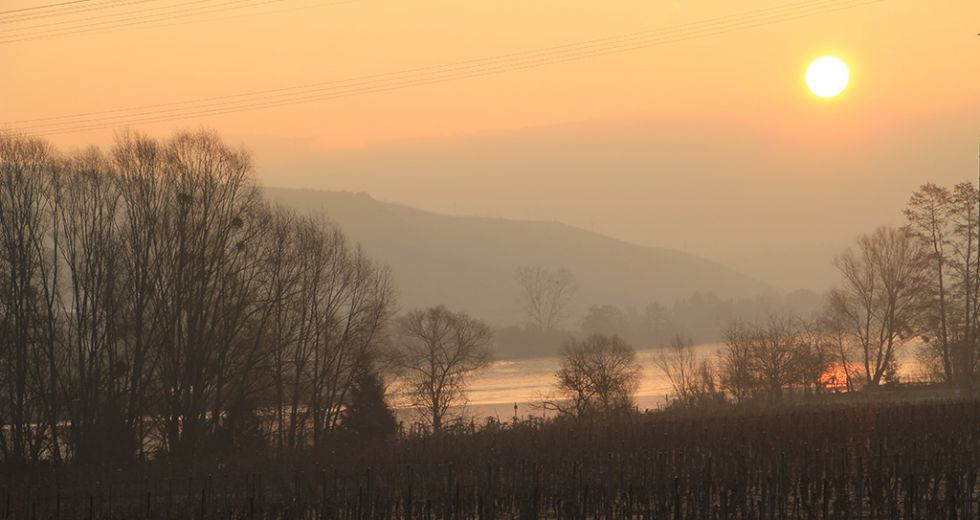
x=775 y=206
x=372 y=259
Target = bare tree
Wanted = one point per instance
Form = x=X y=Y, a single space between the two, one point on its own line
x=784 y=352
x=598 y=375
x=208 y=286
x=876 y=303
x=776 y=349
x=328 y=305
x=760 y=359
x=28 y=262
x=138 y=163
x=928 y=213
x=945 y=224
x=439 y=351
x=95 y=380
x=546 y=295
x=148 y=297
x=356 y=304
x=965 y=265
x=841 y=351
x=738 y=375
x=680 y=365
x=283 y=324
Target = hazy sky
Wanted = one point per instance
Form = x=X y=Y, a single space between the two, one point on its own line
x=710 y=144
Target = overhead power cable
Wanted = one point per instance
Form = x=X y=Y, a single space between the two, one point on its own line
x=255 y=100
x=88 y=6
x=41 y=7
x=141 y=17
x=114 y=8
x=169 y=21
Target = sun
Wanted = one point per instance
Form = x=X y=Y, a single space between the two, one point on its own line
x=827 y=76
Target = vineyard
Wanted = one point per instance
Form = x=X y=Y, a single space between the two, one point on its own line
x=913 y=460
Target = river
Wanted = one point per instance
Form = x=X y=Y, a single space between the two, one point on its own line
x=493 y=392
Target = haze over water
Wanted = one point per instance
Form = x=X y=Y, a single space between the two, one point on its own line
x=494 y=392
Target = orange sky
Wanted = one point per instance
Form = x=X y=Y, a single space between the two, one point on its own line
x=905 y=56
x=914 y=65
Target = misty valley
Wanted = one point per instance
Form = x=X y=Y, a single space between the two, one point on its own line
x=178 y=343
x=489 y=259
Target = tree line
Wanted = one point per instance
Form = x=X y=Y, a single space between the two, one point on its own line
x=548 y=298
x=152 y=303
x=914 y=286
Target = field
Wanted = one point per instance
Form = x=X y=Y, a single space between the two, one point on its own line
x=816 y=461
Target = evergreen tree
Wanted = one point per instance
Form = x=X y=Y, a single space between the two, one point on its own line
x=367 y=414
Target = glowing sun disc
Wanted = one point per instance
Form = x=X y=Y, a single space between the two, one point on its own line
x=827 y=77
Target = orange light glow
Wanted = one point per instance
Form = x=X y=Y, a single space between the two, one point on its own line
x=834 y=377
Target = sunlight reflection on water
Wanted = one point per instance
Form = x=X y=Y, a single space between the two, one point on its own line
x=494 y=392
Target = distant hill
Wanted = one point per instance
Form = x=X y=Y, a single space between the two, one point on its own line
x=468 y=263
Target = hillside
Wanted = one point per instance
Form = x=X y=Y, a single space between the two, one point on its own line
x=468 y=263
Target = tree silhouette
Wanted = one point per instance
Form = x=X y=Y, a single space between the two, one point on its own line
x=367 y=414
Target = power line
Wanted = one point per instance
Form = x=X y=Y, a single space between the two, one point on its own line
x=754 y=15
x=431 y=74
x=391 y=81
x=131 y=18
x=98 y=6
x=90 y=6
x=152 y=24
x=49 y=6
